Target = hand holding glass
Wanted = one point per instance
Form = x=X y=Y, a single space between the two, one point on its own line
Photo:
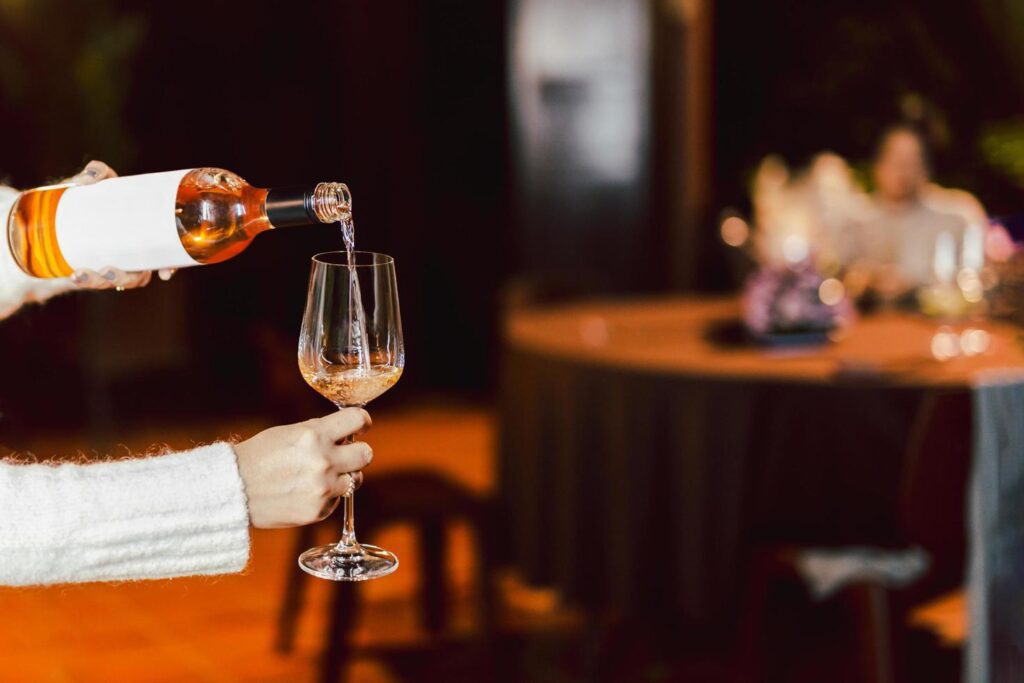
x=351 y=352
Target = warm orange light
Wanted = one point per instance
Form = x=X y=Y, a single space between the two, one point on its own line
x=970 y=284
x=735 y=231
x=974 y=341
x=594 y=330
x=945 y=344
x=831 y=291
x=795 y=249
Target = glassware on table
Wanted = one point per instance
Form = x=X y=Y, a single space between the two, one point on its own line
x=351 y=362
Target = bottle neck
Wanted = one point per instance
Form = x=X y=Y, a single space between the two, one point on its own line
x=323 y=203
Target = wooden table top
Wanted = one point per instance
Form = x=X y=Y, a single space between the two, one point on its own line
x=673 y=335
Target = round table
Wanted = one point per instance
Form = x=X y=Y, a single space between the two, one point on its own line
x=646 y=448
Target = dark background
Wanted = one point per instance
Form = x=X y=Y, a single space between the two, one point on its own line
x=797 y=78
x=408 y=102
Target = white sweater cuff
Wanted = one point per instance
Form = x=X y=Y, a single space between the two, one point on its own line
x=17 y=288
x=158 y=517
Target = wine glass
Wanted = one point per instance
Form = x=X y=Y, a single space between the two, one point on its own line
x=351 y=352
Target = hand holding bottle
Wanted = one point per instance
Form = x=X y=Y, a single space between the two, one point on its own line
x=109 y=277
x=154 y=221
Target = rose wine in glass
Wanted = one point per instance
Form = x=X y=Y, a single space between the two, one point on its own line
x=351 y=351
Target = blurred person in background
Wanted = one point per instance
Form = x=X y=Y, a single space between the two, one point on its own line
x=918 y=231
x=175 y=514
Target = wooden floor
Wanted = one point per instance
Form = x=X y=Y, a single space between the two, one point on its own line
x=220 y=630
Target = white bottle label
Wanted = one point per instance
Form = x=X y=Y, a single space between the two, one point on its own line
x=127 y=223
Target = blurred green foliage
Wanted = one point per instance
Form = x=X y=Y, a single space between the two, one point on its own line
x=1002 y=142
x=65 y=76
x=1002 y=146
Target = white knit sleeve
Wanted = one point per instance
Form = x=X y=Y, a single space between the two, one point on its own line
x=17 y=288
x=157 y=517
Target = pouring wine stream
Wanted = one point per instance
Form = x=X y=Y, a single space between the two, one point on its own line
x=357 y=332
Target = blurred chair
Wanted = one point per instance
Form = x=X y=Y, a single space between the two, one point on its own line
x=934 y=470
x=865 y=603
x=945 y=617
x=430 y=503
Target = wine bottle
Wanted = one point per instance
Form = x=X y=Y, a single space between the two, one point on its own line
x=157 y=220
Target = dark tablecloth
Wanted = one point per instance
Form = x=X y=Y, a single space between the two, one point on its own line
x=633 y=485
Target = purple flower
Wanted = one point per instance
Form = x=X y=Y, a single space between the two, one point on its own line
x=781 y=299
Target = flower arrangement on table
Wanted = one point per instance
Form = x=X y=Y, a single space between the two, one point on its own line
x=794 y=303
x=818 y=241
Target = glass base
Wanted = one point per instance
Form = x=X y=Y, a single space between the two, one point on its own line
x=362 y=563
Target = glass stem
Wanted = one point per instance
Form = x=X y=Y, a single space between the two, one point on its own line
x=348 y=543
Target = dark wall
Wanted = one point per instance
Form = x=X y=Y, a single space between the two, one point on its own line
x=399 y=100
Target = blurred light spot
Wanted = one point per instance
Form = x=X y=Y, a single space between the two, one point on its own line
x=594 y=331
x=945 y=344
x=970 y=284
x=944 y=257
x=795 y=248
x=831 y=291
x=974 y=341
x=972 y=248
x=735 y=231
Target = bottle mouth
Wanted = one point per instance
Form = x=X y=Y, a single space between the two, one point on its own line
x=332 y=202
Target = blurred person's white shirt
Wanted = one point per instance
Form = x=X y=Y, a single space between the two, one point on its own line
x=909 y=237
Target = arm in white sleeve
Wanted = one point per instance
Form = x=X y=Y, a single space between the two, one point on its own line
x=17 y=288
x=157 y=517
